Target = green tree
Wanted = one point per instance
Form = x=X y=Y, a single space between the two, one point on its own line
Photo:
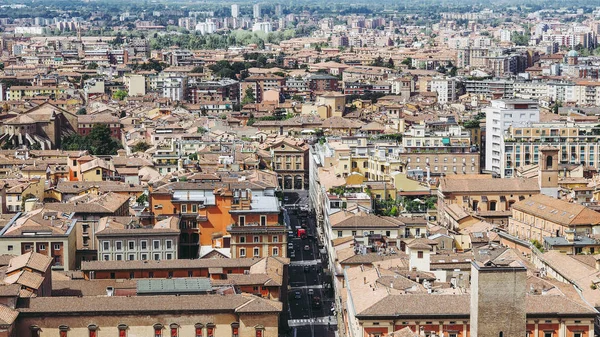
x=92 y=66
x=142 y=199
x=140 y=147
x=520 y=39
x=97 y=142
x=120 y=94
x=101 y=142
x=82 y=111
x=248 y=96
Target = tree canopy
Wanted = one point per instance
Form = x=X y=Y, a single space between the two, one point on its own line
x=97 y=142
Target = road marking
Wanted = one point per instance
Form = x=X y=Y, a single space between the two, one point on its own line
x=307 y=287
x=328 y=320
x=305 y=263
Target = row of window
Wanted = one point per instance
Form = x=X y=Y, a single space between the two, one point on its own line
x=143 y=257
x=435 y=168
x=257 y=239
x=200 y=330
x=193 y=208
x=42 y=246
x=435 y=160
x=256 y=252
x=118 y=245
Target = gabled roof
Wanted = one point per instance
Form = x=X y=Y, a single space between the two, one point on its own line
x=434 y=305
x=557 y=211
x=31 y=260
x=478 y=184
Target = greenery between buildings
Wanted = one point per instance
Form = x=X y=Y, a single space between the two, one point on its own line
x=97 y=142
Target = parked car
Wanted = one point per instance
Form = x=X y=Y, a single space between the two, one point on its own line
x=290 y=245
x=311 y=291
x=306 y=269
x=292 y=254
x=307 y=247
x=297 y=295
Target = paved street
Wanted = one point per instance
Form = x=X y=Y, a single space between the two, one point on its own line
x=305 y=317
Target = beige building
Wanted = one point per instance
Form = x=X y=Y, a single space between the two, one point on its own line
x=484 y=196
x=159 y=316
x=136 y=85
x=43 y=231
x=542 y=216
x=575 y=142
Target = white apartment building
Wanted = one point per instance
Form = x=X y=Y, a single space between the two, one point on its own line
x=207 y=27
x=499 y=117
x=530 y=89
x=256 y=11
x=262 y=27
x=137 y=244
x=446 y=89
x=235 y=11
x=173 y=88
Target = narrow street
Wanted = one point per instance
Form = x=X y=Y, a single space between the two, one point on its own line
x=310 y=294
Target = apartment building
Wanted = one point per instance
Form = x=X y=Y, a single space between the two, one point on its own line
x=42 y=231
x=207 y=208
x=85 y=123
x=17 y=93
x=225 y=90
x=577 y=143
x=501 y=115
x=120 y=242
x=288 y=157
x=490 y=89
x=484 y=196
x=447 y=90
x=260 y=83
x=544 y=216
x=427 y=151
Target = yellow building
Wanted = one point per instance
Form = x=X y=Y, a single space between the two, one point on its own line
x=335 y=103
x=20 y=92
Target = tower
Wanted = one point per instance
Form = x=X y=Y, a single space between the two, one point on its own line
x=256 y=11
x=498 y=299
x=235 y=10
x=548 y=171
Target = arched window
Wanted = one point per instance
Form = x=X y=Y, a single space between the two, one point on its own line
x=92 y=330
x=199 y=327
x=210 y=330
x=158 y=330
x=549 y=160
x=235 y=329
x=174 y=329
x=35 y=330
x=122 y=330
x=492 y=206
x=63 y=329
x=501 y=334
